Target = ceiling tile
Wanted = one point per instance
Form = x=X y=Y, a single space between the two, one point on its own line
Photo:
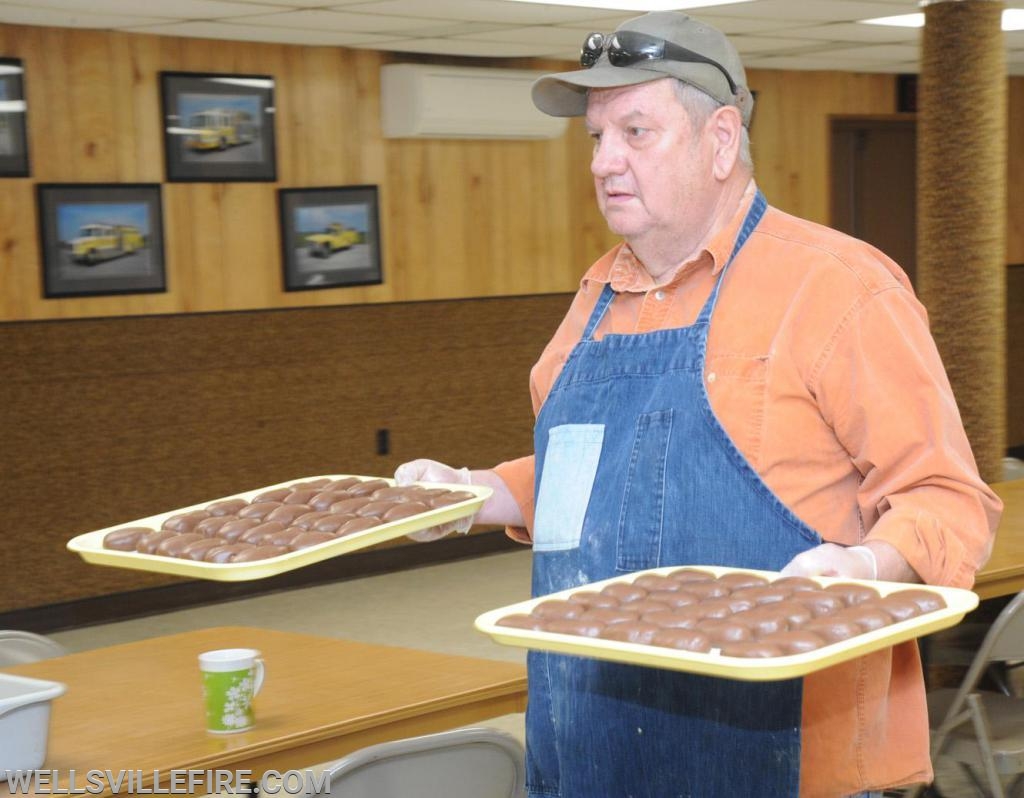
x=826 y=64
x=732 y=25
x=84 y=18
x=876 y=52
x=463 y=47
x=475 y=10
x=856 y=32
x=178 y=9
x=759 y=44
x=541 y=35
x=254 y=33
x=324 y=19
x=804 y=10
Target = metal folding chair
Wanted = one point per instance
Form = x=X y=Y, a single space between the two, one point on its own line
x=17 y=648
x=473 y=762
x=980 y=729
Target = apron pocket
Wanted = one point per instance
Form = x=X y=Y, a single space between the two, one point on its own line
x=566 y=482
x=643 y=502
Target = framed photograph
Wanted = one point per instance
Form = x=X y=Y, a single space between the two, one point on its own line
x=330 y=237
x=101 y=238
x=13 y=136
x=218 y=128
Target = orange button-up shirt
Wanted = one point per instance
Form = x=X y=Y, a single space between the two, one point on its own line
x=821 y=368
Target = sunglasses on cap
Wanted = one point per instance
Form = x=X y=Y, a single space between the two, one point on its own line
x=628 y=47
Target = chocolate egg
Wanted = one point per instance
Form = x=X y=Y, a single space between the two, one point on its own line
x=357 y=524
x=125 y=539
x=753 y=649
x=556 y=608
x=795 y=641
x=852 y=593
x=624 y=592
x=307 y=539
x=521 y=620
x=288 y=513
x=210 y=526
x=926 y=600
x=573 y=626
x=332 y=523
x=234 y=529
x=184 y=522
x=259 y=510
x=197 y=550
x=223 y=554
x=147 y=544
x=350 y=505
x=691 y=575
x=175 y=545
x=366 y=487
x=271 y=495
x=254 y=553
x=226 y=507
x=682 y=640
x=630 y=632
x=405 y=509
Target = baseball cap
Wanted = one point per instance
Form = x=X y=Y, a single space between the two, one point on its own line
x=565 y=93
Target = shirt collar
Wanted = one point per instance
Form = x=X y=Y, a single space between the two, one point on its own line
x=624 y=271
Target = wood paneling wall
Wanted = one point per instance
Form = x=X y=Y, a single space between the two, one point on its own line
x=109 y=420
x=460 y=218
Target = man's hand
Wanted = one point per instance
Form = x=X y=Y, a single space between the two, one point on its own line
x=875 y=559
x=433 y=471
x=829 y=559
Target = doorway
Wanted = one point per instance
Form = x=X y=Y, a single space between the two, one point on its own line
x=874 y=183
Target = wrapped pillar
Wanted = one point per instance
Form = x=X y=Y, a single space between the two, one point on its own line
x=961 y=210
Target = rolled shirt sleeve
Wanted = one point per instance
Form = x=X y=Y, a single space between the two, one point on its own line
x=518 y=476
x=884 y=390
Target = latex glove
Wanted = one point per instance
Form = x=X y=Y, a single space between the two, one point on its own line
x=433 y=471
x=830 y=559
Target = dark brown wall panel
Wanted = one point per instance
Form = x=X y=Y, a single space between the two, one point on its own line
x=109 y=420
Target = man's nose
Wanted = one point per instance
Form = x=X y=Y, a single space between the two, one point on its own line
x=608 y=158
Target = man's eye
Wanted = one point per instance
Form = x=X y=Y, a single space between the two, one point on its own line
x=636 y=131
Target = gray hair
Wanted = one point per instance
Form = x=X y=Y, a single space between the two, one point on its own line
x=699 y=106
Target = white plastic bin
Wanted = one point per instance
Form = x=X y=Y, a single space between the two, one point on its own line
x=25 y=721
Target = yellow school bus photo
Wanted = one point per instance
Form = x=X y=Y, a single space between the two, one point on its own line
x=335 y=237
x=219 y=128
x=96 y=242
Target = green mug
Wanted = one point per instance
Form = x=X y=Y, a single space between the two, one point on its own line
x=231 y=678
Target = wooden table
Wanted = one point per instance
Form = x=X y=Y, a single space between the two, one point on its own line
x=138 y=705
x=1003 y=574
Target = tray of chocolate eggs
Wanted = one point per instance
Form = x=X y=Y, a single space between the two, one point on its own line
x=278 y=528
x=734 y=623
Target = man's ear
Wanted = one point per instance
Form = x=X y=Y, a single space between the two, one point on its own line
x=725 y=127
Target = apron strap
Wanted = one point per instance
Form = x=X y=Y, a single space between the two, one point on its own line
x=603 y=301
x=757 y=209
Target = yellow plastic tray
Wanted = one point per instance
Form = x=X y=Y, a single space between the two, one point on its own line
x=90 y=544
x=958 y=603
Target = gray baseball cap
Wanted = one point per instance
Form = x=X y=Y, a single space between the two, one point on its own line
x=565 y=93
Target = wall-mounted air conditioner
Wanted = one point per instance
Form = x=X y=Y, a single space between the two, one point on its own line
x=425 y=101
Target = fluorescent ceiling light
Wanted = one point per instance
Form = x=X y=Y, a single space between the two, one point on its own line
x=1013 y=19
x=637 y=5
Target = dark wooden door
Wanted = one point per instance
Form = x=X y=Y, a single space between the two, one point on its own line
x=874 y=183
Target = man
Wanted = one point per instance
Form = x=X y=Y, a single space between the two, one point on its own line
x=731 y=386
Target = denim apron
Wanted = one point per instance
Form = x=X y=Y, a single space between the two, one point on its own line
x=634 y=471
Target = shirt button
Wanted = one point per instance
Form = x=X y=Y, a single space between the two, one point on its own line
x=659 y=295
x=711 y=376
